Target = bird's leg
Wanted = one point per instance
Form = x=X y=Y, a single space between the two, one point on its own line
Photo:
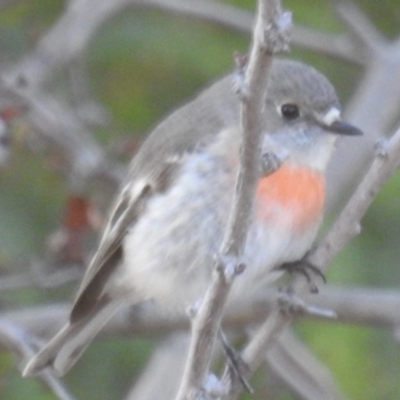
x=235 y=363
x=304 y=268
x=270 y=162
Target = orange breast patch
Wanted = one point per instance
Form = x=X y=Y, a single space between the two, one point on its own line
x=296 y=191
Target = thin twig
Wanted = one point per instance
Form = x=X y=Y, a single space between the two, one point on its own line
x=337 y=46
x=295 y=363
x=369 y=307
x=360 y=25
x=15 y=338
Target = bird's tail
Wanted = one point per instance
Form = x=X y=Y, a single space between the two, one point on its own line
x=62 y=352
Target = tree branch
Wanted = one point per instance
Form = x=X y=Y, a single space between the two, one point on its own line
x=270 y=36
x=15 y=338
x=293 y=361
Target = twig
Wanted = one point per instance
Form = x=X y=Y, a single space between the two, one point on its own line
x=301 y=370
x=160 y=378
x=337 y=46
x=59 y=126
x=15 y=338
x=68 y=38
x=360 y=25
x=27 y=280
x=270 y=36
x=369 y=307
x=363 y=306
x=65 y=41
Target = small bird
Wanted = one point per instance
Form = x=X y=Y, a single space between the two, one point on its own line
x=168 y=221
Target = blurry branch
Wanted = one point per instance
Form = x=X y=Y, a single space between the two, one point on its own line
x=301 y=370
x=39 y=276
x=90 y=111
x=66 y=41
x=359 y=25
x=60 y=127
x=160 y=379
x=262 y=340
x=368 y=307
x=337 y=46
x=289 y=357
x=374 y=104
x=16 y=338
x=271 y=35
x=71 y=34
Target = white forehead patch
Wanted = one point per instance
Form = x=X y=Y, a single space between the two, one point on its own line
x=331 y=116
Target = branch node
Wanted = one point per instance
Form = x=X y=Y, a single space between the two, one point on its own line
x=193 y=309
x=229 y=266
x=240 y=268
x=292 y=305
x=239 y=86
x=356 y=228
x=381 y=148
x=277 y=33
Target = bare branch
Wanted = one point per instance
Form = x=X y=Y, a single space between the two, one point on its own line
x=360 y=25
x=30 y=280
x=338 y=46
x=160 y=379
x=65 y=41
x=369 y=307
x=13 y=337
x=270 y=36
x=301 y=370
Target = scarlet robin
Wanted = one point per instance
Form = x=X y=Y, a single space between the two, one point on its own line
x=169 y=218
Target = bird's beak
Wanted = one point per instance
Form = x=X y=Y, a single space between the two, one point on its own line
x=332 y=123
x=343 y=128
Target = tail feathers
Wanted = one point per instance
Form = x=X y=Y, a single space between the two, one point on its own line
x=64 y=350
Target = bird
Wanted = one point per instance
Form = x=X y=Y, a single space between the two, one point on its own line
x=168 y=220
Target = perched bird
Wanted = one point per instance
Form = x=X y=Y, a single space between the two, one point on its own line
x=168 y=221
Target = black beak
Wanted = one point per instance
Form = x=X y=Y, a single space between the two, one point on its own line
x=343 y=128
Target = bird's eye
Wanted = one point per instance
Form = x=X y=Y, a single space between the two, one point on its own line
x=290 y=111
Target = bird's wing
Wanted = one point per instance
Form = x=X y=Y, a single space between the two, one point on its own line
x=108 y=254
x=125 y=213
x=156 y=165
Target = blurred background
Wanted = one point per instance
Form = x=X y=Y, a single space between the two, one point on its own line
x=139 y=64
